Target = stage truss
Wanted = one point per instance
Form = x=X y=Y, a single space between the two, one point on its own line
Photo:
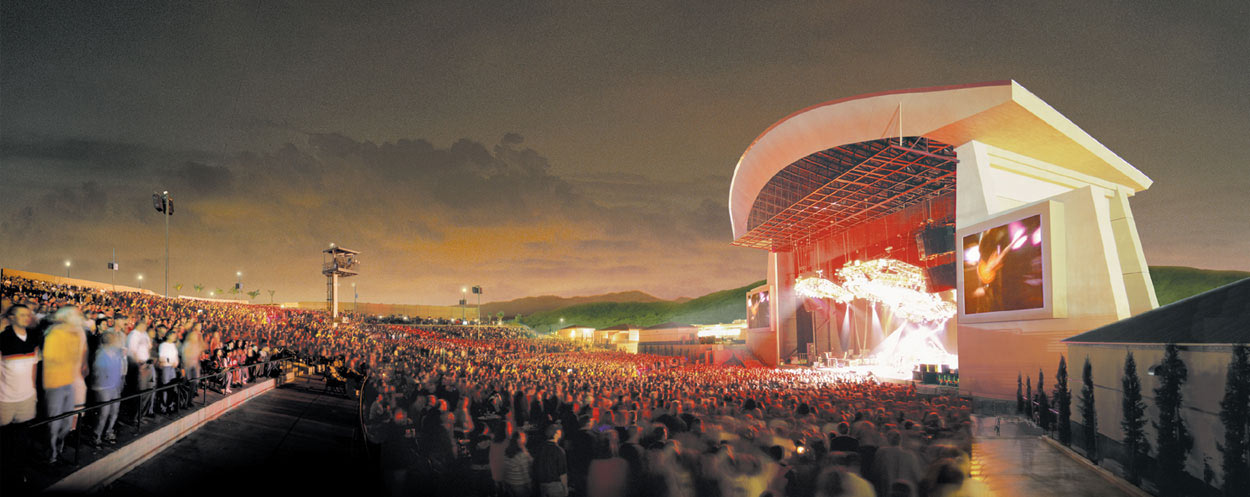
x=830 y=191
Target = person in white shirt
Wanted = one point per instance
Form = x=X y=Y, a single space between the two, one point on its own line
x=141 y=374
x=138 y=345
x=167 y=362
x=19 y=361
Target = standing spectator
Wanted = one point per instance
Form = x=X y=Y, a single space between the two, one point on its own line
x=843 y=442
x=551 y=467
x=79 y=382
x=192 y=349
x=498 y=446
x=19 y=363
x=580 y=445
x=139 y=352
x=167 y=360
x=439 y=446
x=608 y=471
x=63 y=348
x=222 y=363
x=894 y=462
x=20 y=358
x=108 y=370
x=479 y=473
x=517 y=467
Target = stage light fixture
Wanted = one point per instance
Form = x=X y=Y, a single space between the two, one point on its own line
x=891 y=282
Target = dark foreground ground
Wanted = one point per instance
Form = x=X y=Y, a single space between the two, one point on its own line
x=294 y=440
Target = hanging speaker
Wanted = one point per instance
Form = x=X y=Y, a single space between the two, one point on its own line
x=940 y=278
x=935 y=240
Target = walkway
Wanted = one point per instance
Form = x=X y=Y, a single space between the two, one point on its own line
x=38 y=474
x=293 y=439
x=1017 y=462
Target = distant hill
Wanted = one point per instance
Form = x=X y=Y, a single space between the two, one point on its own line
x=1173 y=283
x=530 y=305
x=719 y=307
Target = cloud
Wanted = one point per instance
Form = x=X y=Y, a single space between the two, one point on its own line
x=91 y=156
x=214 y=180
x=489 y=213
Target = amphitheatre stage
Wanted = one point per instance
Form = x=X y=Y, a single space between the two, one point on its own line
x=954 y=234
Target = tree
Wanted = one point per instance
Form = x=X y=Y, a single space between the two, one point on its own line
x=271 y=292
x=1174 y=439
x=1235 y=414
x=199 y=289
x=1089 y=416
x=253 y=294
x=220 y=292
x=1043 y=406
x=1028 y=397
x=1134 y=423
x=1063 y=402
x=1019 y=393
x=178 y=287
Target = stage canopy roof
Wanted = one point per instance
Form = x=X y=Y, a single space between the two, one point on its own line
x=834 y=189
x=831 y=166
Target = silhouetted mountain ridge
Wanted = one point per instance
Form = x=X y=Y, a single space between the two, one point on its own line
x=1171 y=283
x=543 y=303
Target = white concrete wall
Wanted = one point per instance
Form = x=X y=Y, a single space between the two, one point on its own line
x=1100 y=275
x=782 y=304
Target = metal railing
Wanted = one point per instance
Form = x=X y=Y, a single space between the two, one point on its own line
x=201 y=382
x=366 y=391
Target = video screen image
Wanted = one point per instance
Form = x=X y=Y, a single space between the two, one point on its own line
x=1003 y=267
x=757 y=310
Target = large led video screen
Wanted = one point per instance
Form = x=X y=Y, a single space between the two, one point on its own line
x=757 y=310
x=1003 y=267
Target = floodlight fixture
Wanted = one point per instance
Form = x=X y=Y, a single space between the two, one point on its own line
x=164 y=204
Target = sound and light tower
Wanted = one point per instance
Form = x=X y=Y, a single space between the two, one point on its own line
x=337 y=262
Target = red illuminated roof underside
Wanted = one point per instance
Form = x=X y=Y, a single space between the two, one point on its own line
x=845 y=186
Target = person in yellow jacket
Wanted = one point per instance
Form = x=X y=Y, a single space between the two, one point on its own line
x=63 y=350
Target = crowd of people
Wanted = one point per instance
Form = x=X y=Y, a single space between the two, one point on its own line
x=480 y=410
x=66 y=347
x=486 y=411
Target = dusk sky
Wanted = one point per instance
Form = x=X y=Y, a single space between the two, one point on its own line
x=544 y=148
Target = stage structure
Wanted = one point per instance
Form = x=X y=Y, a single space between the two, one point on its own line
x=948 y=232
x=337 y=262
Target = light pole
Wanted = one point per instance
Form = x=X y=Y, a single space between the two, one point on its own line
x=238 y=282
x=164 y=204
x=67 y=264
x=355 y=297
x=477 y=289
x=464 y=297
x=140 y=278
x=113 y=270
